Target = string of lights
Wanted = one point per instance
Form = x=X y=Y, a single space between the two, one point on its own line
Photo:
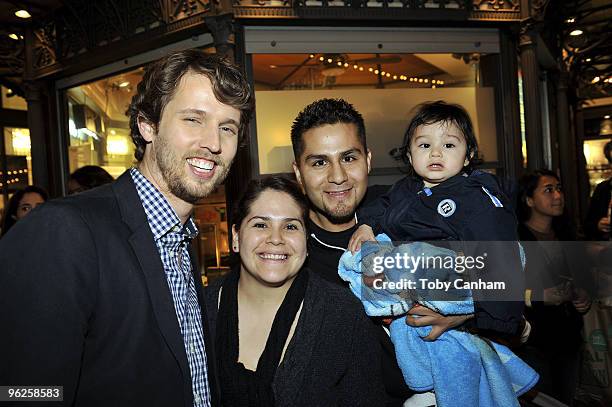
x=415 y=79
x=13 y=173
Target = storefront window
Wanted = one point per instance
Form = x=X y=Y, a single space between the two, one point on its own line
x=11 y=101
x=597 y=166
x=384 y=88
x=98 y=128
x=18 y=148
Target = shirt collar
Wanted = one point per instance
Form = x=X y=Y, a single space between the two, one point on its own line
x=161 y=216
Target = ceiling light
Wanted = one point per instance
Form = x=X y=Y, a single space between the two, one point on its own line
x=355 y=66
x=588 y=59
x=570 y=20
x=126 y=83
x=576 y=33
x=370 y=69
x=22 y=14
x=329 y=60
x=361 y=68
x=321 y=59
x=595 y=79
x=376 y=71
x=311 y=56
x=607 y=116
x=14 y=36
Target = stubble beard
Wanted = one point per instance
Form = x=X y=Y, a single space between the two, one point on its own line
x=338 y=215
x=172 y=169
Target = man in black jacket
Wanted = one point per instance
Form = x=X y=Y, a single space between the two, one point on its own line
x=98 y=293
x=332 y=163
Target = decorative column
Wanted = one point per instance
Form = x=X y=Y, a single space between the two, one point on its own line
x=222 y=29
x=34 y=95
x=567 y=148
x=531 y=95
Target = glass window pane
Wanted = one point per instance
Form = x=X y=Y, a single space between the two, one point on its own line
x=18 y=158
x=98 y=127
x=597 y=166
x=12 y=101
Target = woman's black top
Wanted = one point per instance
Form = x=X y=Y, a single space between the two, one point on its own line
x=239 y=385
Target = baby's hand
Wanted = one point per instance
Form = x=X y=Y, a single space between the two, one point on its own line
x=363 y=233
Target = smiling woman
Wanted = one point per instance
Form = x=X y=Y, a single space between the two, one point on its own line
x=284 y=336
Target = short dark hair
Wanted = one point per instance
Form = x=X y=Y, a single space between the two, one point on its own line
x=162 y=78
x=441 y=112
x=8 y=219
x=527 y=185
x=321 y=112
x=90 y=176
x=276 y=183
x=608 y=151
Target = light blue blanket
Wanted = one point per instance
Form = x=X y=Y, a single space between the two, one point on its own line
x=461 y=368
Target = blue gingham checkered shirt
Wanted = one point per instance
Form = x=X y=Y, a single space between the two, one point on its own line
x=172 y=239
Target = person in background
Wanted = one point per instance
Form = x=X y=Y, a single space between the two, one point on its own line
x=284 y=335
x=597 y=223
x=20 y=204
x=555 y=297
x=88 y=177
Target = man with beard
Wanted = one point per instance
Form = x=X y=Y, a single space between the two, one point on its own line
x=98 y=292
x=332 y=163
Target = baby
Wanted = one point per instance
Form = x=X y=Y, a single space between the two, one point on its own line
x=446 y=200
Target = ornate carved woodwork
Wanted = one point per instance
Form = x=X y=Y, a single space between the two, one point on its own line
x=498 y=10
x=82 y=26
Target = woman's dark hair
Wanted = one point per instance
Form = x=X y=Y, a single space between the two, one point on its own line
x=10 y=213
x=562 y=225
x=162 y=78
x=90 y=176
x=275 y=183
x=440 y=112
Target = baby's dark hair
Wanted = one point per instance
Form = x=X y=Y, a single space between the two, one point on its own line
x=435 y=112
